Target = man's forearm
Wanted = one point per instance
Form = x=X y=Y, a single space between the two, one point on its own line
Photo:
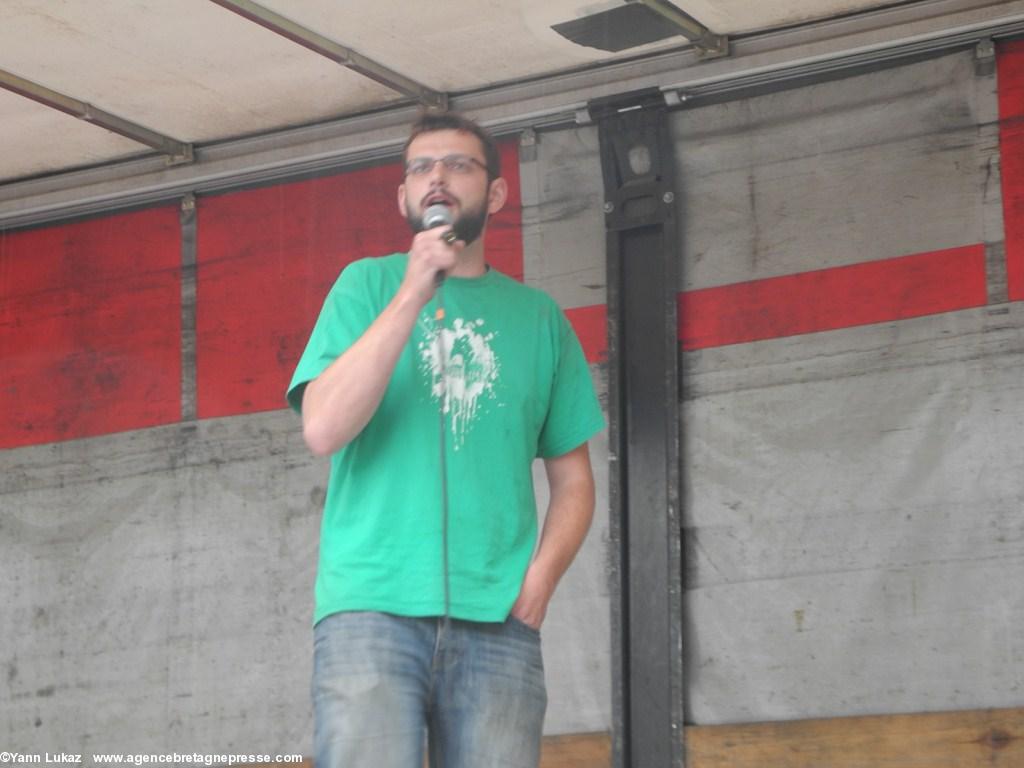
x=339 y=403
x=568 y=519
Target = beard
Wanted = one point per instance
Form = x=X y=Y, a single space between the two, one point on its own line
x=467 y=227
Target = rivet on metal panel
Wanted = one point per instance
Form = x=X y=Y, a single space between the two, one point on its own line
x=609 y=207
x=668 y=197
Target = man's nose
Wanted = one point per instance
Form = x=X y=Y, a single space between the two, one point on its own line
x=438 y=171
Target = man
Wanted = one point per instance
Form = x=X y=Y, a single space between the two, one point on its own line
x=433 y=382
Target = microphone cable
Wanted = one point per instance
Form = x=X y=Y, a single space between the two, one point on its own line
x=442 y=358
x=434 y=216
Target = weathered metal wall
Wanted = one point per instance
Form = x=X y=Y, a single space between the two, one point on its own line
x=854 y=496
x=157 y=590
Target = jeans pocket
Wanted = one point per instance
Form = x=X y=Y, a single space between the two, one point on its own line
x=515 y=622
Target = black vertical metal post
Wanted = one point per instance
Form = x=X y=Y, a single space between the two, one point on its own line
x=647 y=664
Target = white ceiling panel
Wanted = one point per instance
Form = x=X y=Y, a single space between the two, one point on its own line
x=732 y=17
x=458 y=45
x=37 y=139
x=188 y=69
x=195 y=72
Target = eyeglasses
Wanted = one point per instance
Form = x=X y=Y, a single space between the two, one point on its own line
x=460 y=164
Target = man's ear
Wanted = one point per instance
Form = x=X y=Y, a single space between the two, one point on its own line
x=497 y=195
x=401 y=201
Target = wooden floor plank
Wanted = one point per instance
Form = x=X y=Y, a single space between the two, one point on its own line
x=578 y=750
x=991 y=738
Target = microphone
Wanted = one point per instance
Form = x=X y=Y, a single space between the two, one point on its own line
x=438 y=215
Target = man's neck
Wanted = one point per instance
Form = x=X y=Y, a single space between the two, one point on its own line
x=471 y=261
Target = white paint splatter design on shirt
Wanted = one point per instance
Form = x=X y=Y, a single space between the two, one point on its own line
x=471 y=372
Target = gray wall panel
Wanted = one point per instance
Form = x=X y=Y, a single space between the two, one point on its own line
x=563 y=219
x=855 y=521
x=853 y=498
x=923 y=638
x=881 y=165
x=576 y=633
x=158 y=588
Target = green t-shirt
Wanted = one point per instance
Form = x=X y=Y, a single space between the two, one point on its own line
x=517 y=388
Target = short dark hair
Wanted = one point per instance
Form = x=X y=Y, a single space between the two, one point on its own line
x=442 y=120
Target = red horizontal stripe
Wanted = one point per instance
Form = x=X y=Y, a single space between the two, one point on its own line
x=1011 y=148
x=827 y=299
x=809 y=302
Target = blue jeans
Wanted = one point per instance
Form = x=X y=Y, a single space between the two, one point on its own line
x=383 y=683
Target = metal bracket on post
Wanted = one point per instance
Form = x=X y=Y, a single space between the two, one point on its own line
x=985 y=58
x=528 y=145
x=645 y=524
x=707 y=43
x=185 y=156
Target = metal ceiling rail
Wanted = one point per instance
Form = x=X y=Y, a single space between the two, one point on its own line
x=334 y=51
x=995 y=18
x=852 y=42
x=821 y=49
x=176 y=151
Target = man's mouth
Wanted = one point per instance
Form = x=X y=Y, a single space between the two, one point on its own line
x=437 y=198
